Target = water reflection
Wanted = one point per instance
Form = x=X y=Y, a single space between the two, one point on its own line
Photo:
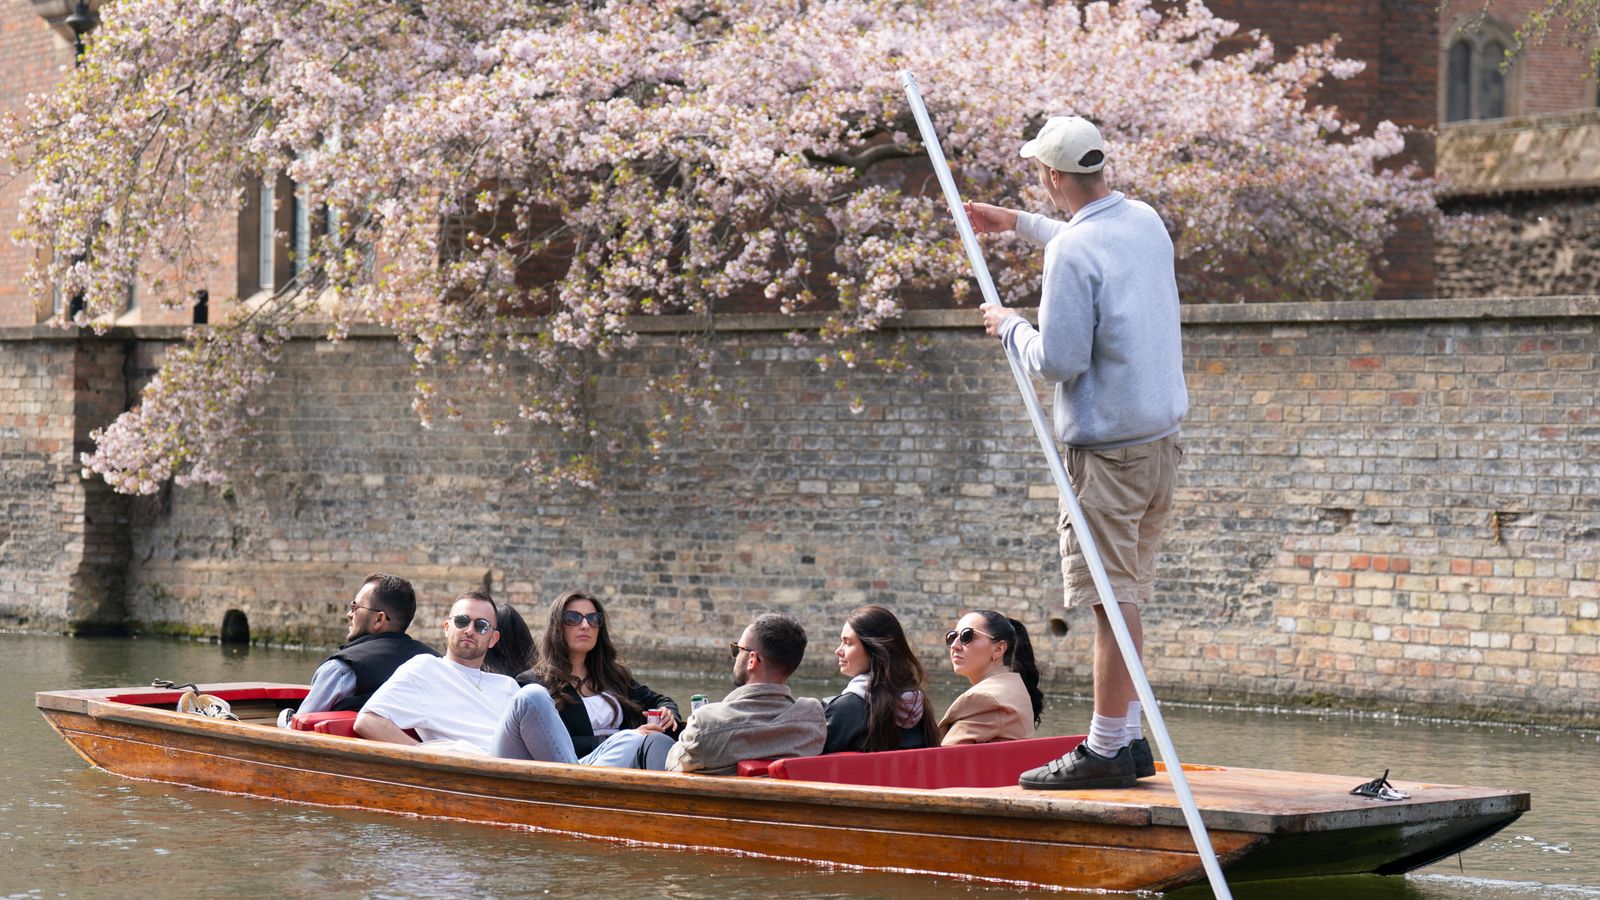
x=65 y=828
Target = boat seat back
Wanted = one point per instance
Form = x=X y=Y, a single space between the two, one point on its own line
x=310 y=721
x=963 y=765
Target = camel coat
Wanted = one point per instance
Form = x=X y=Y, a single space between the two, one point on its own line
x=995 y=709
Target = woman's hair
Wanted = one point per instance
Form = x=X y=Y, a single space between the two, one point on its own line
x=606 y=672
x=895 y=670
x=513 y=653
x=1018 y=656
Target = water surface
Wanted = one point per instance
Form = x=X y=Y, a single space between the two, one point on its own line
x=69 y=830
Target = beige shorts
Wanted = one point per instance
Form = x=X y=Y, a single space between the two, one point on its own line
x=1126 y=495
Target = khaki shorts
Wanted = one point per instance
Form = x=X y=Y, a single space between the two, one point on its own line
x=1126 y=495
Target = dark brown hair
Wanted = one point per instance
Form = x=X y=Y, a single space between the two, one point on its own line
x=606 y=672
x=512 y=654
x=895 y=670
x=1018 y=656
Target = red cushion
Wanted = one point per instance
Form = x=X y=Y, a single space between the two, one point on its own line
x=310 y=721
x=754 y=768
x=340 y=727
x=963 y=765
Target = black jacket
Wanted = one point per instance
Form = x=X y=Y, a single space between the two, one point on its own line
x=374 y=657
x=576 y=717
x=847 y=726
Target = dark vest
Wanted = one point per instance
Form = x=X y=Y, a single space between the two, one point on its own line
x=374 y=657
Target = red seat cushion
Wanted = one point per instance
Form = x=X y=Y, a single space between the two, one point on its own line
x=340 y=727
x=754 y=768
x=964 y=765
x=310 y=721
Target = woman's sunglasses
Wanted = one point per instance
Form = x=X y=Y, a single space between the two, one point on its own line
x=965 y=636
x=574 y=618
x=462 y=620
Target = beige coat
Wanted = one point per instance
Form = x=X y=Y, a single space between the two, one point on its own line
x=757 y=721
x=995 y=709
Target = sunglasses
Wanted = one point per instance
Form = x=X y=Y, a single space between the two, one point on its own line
x=462 y=620
x=965 y=636
x=734 y=650
x=575 y=618
x=355 y=606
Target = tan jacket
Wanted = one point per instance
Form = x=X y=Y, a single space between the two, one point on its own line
x=757 y=721
x=995 y=709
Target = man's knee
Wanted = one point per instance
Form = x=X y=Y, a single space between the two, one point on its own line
x=533 y=698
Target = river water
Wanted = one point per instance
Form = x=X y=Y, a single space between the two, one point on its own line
x=68 y=830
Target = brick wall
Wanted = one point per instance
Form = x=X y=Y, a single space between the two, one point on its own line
x=35 y=58
x=63 y=541
x=1549 y=246
x=1399 y=84
x=1387 y=504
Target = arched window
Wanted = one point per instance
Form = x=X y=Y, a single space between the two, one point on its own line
x=1475 y=86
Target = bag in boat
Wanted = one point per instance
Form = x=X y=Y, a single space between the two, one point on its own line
x=197 y=704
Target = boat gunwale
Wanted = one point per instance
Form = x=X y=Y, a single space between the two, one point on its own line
x=1000 y=802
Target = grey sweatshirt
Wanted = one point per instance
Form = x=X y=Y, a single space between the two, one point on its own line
x=1108 y=314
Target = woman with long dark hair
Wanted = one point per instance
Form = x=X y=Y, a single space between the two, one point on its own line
x=593 y=690
x=1004 y=703
x=512 y=654
x=883 y=707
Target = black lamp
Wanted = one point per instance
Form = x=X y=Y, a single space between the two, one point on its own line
x=81 y=20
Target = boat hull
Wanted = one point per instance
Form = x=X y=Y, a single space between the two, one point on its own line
x=1054 y=840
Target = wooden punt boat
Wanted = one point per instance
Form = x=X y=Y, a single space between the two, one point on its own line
x=1263 y=824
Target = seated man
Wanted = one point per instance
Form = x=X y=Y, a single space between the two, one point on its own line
x=760 y=719
x=453 y=703
x=375 y=646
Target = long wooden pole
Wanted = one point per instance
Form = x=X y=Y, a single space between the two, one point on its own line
x=1091 y=553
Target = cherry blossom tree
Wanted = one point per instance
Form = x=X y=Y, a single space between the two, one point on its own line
x=678 y=157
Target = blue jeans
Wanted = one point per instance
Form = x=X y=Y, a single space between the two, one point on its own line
x=532 y=729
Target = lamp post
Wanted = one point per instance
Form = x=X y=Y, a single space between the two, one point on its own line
x=81 y=20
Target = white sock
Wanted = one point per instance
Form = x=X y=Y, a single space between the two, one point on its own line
x=1133 y=729
x=1107 y=735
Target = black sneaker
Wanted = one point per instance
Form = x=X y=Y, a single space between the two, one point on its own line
x=1082 y=770
x=1144 y=763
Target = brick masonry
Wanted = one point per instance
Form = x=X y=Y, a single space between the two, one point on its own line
x=1383 y=504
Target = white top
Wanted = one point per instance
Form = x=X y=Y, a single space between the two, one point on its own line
x=605 y=713
x=444 y=700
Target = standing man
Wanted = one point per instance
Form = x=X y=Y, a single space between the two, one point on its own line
x=760 y=719
x=374 y=647
x=1108 y=338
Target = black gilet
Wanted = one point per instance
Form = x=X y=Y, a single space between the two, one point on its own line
x=374 y=657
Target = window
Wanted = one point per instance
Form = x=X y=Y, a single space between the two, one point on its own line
x=266 y=212
x=1475 y=86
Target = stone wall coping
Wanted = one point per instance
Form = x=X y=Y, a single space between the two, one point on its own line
x=1286 y=313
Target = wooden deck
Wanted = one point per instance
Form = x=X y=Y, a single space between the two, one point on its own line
x=1263 y=824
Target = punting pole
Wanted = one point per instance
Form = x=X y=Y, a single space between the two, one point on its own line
x=1047 y=441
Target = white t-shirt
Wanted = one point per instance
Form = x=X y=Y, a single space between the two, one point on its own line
x=605 y=713
x=444 y=700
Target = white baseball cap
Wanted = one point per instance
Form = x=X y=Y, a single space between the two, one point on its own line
x=1068 y=144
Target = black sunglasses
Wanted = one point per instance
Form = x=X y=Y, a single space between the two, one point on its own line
x=734 y=650
x=462 y=620
x=965 y=636
x=574 y=618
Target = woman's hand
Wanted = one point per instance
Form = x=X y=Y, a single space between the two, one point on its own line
x=664 y=725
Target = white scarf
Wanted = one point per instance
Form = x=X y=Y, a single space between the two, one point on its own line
x=907 y=713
